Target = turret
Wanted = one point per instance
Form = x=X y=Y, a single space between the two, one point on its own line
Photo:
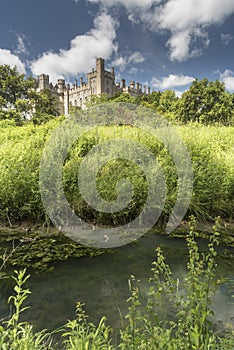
x=43 y=82
x=100 y=84
x=61 y=85
x=132 y=84
x=100 y=63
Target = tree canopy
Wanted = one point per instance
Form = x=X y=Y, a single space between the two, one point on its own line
x=205 y=102
x=19 y=100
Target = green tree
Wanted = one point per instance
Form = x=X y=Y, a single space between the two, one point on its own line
x=123 y=97
x=167 y=101
x=14 y=94
x=206 y=102
x=19 y=100
x=151 y=100
x=45 y=106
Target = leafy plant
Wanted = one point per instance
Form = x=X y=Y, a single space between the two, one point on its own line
x=16 y=335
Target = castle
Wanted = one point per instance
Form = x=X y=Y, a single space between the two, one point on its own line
x=99 y=81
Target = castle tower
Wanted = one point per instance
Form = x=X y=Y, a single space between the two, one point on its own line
x=100 y=67
x=43 y=82
x=61 y=89
x=61 y=85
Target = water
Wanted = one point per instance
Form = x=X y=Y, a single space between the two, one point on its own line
x=102 y=283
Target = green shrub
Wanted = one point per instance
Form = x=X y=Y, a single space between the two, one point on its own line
x=211 y=150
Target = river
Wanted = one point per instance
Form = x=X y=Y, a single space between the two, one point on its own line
x=102 y=283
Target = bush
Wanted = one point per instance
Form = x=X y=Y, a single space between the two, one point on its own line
x=211 y=150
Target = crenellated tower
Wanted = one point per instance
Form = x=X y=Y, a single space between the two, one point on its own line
x=99 y=81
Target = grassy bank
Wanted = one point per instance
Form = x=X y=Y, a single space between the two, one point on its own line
x=211 y=150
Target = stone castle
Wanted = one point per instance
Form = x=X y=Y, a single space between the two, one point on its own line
x=99 y=81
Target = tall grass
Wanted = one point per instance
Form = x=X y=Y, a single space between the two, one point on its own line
x=188 y=326
x=211 y=149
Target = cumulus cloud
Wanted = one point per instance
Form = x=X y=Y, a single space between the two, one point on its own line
x=122 y=62
x=226 y=38
x=171 y=81
x=129 y=4
x=186 y=21
x=7 y=57
x=227 y=77
x=80 y=57
x=21 y=47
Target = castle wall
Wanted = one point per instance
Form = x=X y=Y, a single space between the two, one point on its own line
x=99 y=82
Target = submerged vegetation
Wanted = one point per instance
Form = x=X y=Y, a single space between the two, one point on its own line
x=39 y=251
x=188 y=325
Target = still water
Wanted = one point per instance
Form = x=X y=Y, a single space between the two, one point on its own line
x=102 y=283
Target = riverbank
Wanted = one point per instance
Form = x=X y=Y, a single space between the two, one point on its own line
x=40 y=248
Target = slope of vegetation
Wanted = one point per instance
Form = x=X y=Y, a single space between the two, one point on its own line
x=21 y=148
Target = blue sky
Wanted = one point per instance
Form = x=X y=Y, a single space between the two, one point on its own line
x=163 y=43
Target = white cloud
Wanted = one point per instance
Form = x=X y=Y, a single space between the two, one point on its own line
x=179 y=45
x=178 y=93
x=186 y=44
x=80 y=57
x=227 y=77
x=122 y=62
x=226 y=38
x=172 y=81
x=21 y=47
x=129 y=4
x=186 y=21
x=136 y=57
x=7 y=57
x=133 y=70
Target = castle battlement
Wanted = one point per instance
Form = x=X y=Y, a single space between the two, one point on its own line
x=99 y=81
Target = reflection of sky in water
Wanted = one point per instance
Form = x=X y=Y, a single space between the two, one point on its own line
x=223 y=304
x=102 y=283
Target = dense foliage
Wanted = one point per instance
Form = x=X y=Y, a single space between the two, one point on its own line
x=205 y=102
x=19 y=100
x=211 y=149
x=187 y=326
